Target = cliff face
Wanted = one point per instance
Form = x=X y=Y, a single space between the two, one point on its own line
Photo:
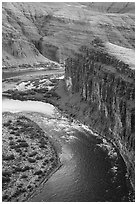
x=33 y=32
x=106 y=87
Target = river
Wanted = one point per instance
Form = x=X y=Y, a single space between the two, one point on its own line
x=92 y=169
x=28 y=72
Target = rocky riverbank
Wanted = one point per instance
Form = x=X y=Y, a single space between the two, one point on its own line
x=29 y=157
x=54 y=91
x=35 y=86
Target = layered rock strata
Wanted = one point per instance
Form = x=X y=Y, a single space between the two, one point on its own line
x=107 y=86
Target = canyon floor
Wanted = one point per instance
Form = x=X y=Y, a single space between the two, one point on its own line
x=27 y=166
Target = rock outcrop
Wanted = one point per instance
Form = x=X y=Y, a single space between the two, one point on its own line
x=105 y=87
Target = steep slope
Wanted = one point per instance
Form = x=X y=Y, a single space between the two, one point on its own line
x=33 y=32
x=17 y=48
x=101 y=87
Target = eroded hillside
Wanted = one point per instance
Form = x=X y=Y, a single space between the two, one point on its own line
x=33 y=32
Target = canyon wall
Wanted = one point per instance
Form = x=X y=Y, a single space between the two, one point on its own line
x=105 y=87
x=35 y=31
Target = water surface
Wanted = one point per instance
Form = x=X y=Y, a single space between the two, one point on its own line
x=92 y=169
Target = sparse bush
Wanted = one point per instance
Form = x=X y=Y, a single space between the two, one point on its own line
x=25 y=168
x=46 y=161
x=7 y=123
x=32 y=154
x=6 y=173
x=52 y=159
x=10 y=138
x=39 y=157
x=12 y=132
x=5 y=179
x=24 y=176
x=11 y=143
x=42 y=146
x=39 y=172
x=23 y=144
x=5 y=197
x=16 y=134
x=15 y=128
x=31 y=160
